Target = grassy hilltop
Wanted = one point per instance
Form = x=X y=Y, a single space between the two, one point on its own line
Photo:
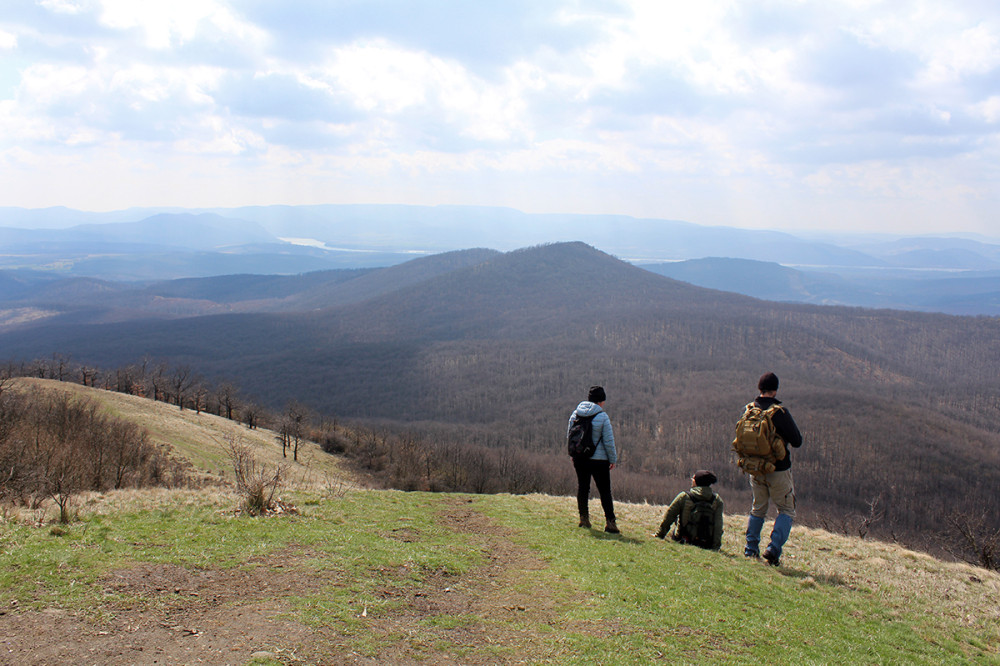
x=362 y=576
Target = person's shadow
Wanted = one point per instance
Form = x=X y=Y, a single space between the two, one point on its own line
x=804 y=577
x=608 y=536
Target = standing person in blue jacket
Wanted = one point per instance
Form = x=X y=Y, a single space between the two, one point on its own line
x=600 y=464
x=777 y=486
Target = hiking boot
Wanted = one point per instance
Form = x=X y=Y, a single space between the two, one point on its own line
x=771 y=557
x=751 y=554
x=585 y=522
x=611 y=527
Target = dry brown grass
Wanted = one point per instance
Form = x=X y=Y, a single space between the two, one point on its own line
x=201 y=438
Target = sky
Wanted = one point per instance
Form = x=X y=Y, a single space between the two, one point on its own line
x=858 y=115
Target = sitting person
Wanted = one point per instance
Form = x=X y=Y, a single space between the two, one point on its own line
x=698 y=514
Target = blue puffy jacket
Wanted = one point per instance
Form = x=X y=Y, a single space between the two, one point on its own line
x=604 y=438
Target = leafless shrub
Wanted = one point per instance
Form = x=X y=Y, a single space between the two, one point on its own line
x=256 y=484
x=54 y=446
x=334 y=486
x=334 y=442
x=875 y=515
x=974 y=538
x=859 y=524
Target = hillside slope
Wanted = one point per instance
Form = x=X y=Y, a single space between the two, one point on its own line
x=361 y=576
x=386 y=577
x=201 y=439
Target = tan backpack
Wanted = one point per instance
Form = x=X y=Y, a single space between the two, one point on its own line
x=757 y=444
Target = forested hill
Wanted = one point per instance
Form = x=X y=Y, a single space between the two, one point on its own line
x=896 y=406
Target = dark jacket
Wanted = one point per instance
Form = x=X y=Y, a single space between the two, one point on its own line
x=785 y=426
x=679 y=511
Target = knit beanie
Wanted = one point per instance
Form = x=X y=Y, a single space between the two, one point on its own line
x=768 y=382
x=704 y=478
x=596 y=394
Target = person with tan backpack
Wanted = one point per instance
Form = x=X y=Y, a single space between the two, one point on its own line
x=763 y=436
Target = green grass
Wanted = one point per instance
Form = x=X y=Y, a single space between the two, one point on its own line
x=660 y=600
x=364 y=562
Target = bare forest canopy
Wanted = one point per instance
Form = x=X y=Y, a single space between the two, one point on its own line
x=486 y=351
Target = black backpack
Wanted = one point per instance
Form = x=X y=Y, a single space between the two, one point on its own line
x=700 y=527
x=580 y=439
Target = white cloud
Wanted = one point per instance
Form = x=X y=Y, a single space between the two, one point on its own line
x=63 y=6
x=43 y=85
x=652 y=105
x=391 y=82
x=972 y=51
x=988 y=110
x=382 y=78
x=169 y=23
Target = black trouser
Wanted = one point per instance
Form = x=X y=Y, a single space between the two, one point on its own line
x=600 y=470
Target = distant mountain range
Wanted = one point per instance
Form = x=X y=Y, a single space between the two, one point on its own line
x=965 y=292
x=946 y=274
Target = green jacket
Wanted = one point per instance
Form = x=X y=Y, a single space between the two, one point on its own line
x=679 y=511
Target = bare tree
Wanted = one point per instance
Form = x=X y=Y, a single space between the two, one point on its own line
x=295 y=415
x=199 y=396
x=181 y=382
x=974 y=538
x=59 y=366
x=251 y=415
x=125 y=379
x=157 y=380
x=226 y=394
x=874 y=515
x=87 y=375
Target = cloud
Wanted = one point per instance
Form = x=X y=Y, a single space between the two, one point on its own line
x=281 y=95
x=485 y=36
x=164 y=25
x=572 y=105
x=988 y=109
x=855 y=74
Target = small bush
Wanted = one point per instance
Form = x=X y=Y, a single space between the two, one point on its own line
x=255 y=483
x=334 y=442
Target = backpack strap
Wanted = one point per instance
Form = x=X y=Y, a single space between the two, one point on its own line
x=600 y=440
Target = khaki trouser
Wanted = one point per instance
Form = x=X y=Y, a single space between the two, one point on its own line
x=776 y=487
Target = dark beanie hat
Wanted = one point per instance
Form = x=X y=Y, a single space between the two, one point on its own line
x=704 y=478
x=767 y=382
x=596 y=394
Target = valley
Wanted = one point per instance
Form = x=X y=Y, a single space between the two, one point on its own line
x=490 y=351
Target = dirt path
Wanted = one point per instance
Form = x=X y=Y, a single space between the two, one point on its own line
x=489 y=606
x=227 y=616
x=184 y=617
